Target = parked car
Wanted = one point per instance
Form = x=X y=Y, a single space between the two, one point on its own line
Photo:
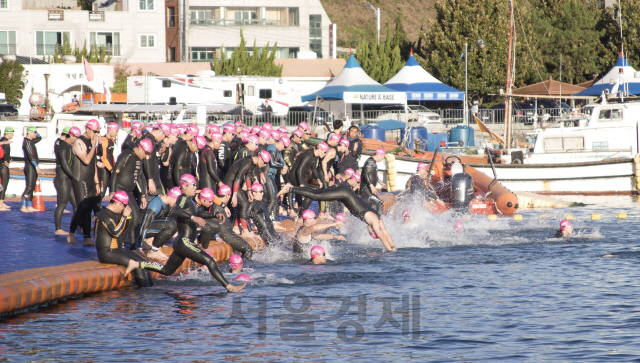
x=415 y=113
x=297 y=114
x=7 y=109
x=523 y=112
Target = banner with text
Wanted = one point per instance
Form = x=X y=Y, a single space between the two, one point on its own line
x=375 y=97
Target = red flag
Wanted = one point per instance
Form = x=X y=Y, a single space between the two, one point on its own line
x=87 y=69
x=349 y=50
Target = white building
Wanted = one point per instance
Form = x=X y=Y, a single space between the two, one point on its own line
x=298 y=26
x=132 y=30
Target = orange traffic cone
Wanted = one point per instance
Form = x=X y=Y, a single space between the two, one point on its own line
x=38 y=201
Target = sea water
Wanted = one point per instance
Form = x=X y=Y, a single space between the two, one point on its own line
x=500 y=291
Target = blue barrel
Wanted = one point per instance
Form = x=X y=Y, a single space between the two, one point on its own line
x=435 y=139
x=372 y=132
x=420 y=133
x=463 y=133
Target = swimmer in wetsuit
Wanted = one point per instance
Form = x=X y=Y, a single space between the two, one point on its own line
x=189 y=217
x=318 y=256
x=225 y=153
x=360 y=209
x=180 y=162
x=566 y=230
x=311 y=229
x=128 y=176
x=336 y=146
x=106 y=161
x=305 y=167
x=369 y=176
x=208 y=170
x=276 y=165
x=158 y=223
x=86 y=184
x=112 y=222
x=258 y=213
x=64 y=175
x=31 y=168
x=151 y=163
x=5 y=161
x=133 y=137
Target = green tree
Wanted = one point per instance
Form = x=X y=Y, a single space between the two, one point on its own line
x=384 y=61
x=11 y=81
x=568 y=29
x=260 y=63
x=466 y=21
x=610 y=25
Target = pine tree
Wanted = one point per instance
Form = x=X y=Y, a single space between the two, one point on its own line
x=610 y=25
x=11 y=81
x=260 y=63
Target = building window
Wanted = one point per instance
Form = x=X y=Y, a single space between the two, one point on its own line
x=8 y=42
x=243 y=16
x=264 y=93
x=251 y=91
x=315 y=34
x=294 y=17
x=147 y=41
x=146 y=5
x=4 y=4
x=172 y=54
x=227 y=93
x=46 y=42
x=171 y=17
x=110 y=41
x=202 y=54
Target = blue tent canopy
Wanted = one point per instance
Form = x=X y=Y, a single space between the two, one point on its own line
x=622 y=75
x=422 y=86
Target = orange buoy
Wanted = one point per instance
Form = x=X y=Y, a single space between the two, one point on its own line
x=38 y=201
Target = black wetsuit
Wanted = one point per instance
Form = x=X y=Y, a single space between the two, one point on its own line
x=109 y=227
x=208 y=173
x=225 y=230
x=62 y=181
x=164 y=170
x=157 y=223
x=4 y=169
x=289 y=155
x=241 y=153
x=258 y=213
x=224 y=158
x=84 y=189
x=342 y=193
x=235 y=144
x=241 y=170
x=298 y=247
x=127 y=176
x=151 y=165
x=179 y=164
x=417 y=186
x=184 y=247
x=31 y=161
x=305 y=166
x=369 y=180
x=324 y=206
x=273 y=181
x=105 y=155
x=129 y=142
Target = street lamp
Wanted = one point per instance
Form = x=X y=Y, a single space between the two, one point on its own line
x=481 y=45
x=377 y=11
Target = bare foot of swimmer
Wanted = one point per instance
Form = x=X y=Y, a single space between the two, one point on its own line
x=61 y=232
x=71 y=239
x=234 y=288
x=132 y=266
x=285 y=190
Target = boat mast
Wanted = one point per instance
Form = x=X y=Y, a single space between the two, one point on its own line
x=507 y=102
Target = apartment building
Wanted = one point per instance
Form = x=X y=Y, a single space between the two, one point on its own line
x=298 y=26
x=131 y=30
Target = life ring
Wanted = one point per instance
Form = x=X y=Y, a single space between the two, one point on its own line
x=36 y=99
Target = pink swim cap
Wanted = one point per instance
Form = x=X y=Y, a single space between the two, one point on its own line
x=182 y=129
x=298 y=133
x=275 y=134
x=423 y=166
x=216 y=137
x=174 y=129
x=75 y=131
x=374 y=235
x=247 y=130
x=308 y=214
x=174 y=192
x=283 y=130
x=264 y=134
x=256 y=187
x=344 y=142
x=146 y=145
x=317 y=251
x=349 y=172
x=286 y=141
x=334 y=138
x=254 y=139
x=212 y=129
x=187 y=179
x=323 y=146
x=92 y=124
x=224 y=190
x=341 y=217
x=243 y=277
x=235 y=261
x=193 y=130
x=267 y=126
x=238 y=124
x=244 y=135
x=406 y=214
x=207 y=194
x=255 y=129
x=136 y=125
x=113 y=126
x=121 y=197
x=166 y=129
x=380 y=151
x=137 y=132
x=200 y=141
x=357 y=177
x=304 y=125
x=265 y=156
x=229 y=128
x=565 y=224
x=458 y=226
